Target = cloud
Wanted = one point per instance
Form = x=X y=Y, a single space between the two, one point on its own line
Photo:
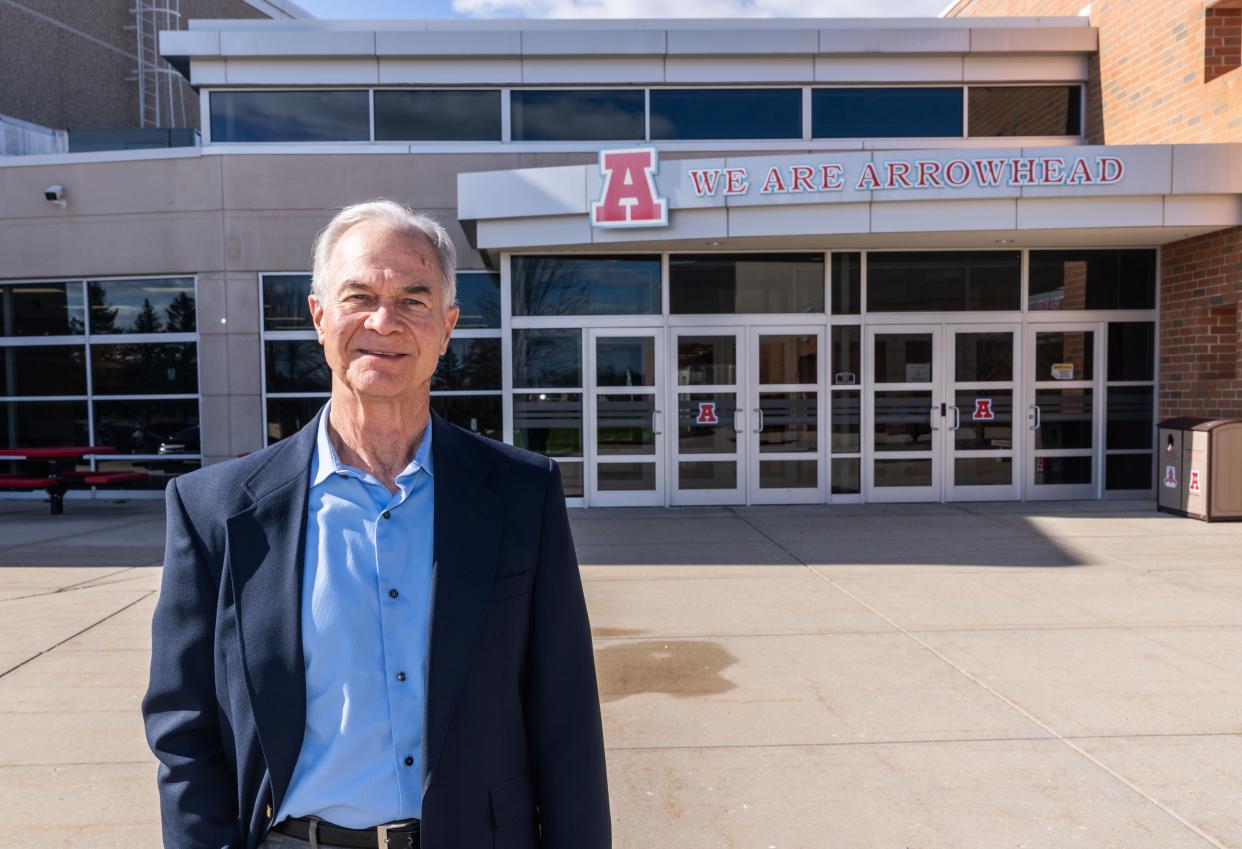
x=695 y=8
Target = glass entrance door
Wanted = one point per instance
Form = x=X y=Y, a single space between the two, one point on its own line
x=1062 y=411
x=708 y=461
x=785 y=403
x=981 y=371
x=626 y=418
x=903 y=451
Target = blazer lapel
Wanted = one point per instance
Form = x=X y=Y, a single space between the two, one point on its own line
x=467 y=549
x=265 y=562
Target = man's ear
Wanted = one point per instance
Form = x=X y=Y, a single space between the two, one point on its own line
x=450 y=321
x=316 y=312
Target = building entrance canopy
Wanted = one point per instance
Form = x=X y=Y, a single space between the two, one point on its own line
x=1070 y=195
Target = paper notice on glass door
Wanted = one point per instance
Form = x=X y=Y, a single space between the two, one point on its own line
x=1062 y=371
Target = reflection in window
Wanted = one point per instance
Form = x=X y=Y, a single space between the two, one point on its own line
x=949 y=281
x=296 y=366
x=983 y=357
x=550 y=423
x=846 y=283
x=846 y=476
x=286 y=416
x=284 y=302
x=145 y=368
x=846 y=421
x=468 y=364
x=1131 y=350
x=437 y=115
x=885 y=112
x=1127 y=471
x=547 y=358
x=25 y=424
x=1065 y=418
x=290 y=116
x=478 y=299
x=41 y=309
x=706 y=360
x=577 y=115
x=1064 y=355
x=722 y=113
x=625 y=361
x=746 y=283
x=142 y=306
x=1128 y=417
x=1026 y=110
x=481 y=414
x=578 y=285
x=1093 y=280
x=142 y=427
x=846 y=369
x=43 y=370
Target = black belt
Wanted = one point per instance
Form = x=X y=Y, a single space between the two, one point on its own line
x=396 y=835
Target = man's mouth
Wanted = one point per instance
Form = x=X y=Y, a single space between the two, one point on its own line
x=387 y=355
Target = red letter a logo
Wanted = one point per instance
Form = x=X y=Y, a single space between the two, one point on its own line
x=628 y=198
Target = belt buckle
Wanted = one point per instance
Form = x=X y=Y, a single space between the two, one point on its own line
x=381 y=835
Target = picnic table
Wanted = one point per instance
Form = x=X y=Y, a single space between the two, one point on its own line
x=53 y=479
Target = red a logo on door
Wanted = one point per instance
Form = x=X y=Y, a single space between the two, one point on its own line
x=1196 y=485
x=983 y=410
x=707 y=413
x=628 y=197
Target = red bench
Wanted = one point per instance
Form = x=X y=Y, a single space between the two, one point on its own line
x=55 y=486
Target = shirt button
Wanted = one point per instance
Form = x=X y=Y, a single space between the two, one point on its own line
x=409 y=761
x=387 y=514
x=393 y=593
x=400 y=676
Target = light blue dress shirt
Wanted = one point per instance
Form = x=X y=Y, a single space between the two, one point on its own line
x=366 y=606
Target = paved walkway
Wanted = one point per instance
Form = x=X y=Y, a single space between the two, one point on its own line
x=907 y=677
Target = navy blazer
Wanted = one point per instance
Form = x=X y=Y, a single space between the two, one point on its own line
x=514 y=753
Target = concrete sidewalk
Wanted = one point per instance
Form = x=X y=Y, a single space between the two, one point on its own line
x=905 y=677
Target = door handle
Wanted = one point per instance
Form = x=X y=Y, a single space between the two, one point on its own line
x=758 y=420
x=932 y=415
x=957 y=418
x=1035 y=417
x=654 y=430
x=738 y=427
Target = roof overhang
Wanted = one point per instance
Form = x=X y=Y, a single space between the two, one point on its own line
x=1163 y=193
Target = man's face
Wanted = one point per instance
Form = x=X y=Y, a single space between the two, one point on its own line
x=382 y=321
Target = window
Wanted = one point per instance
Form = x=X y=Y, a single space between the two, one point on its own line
x=547 y=408
x=951 y=281
x=1093 y=280
x=586 y=285
x=846 y=283
x=1130 y=407
x=437 y=115
x=577 y=115
x=478 y=299
x=722 y=113
x=1046 y=110
x=109 y=362
x=746 y=283
x=838 y=113
x=290 y=116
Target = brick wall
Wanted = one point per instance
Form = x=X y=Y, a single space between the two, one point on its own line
x=1152 y=82
x=1201 y=326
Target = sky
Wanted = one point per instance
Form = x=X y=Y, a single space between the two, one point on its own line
x=620 y=8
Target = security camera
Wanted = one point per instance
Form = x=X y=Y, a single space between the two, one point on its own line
x=55 y=194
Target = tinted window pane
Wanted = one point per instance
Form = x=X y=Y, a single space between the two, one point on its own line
x=878 y=112
x=43 y=370
x=845 y=476
x=571 y=478
x=1127 y=471
x=580 y=285
x=482 y=414
x=846 y=369
x=1129 y=422
x=158 y=472
x=625 y=361
x=1054 y=471
x=982 y=471
x=284 y=302
x=141 y=427
x=1065 y=418
x=577 y=115
x=547 y=358
x=290 y=116
x=983 y=357
x=706 y=360
x=1044 y=110
x=437 y=115
x=548 y=423
x=26 y=424
x=41 y=309
x=1064 y=355
x=478 y=298
x=846 y=283
x=286 y=416
x=1093 y=280
x=746 y=283
x=846 y=419
x=903 y=357
x=902 y=472
x=984 y=434
x=144 y=369
x=469 y=364
x=296 y=366
x=917 y=281
x=697 y=436
x=706 y=474
x=142 y=306
x=1131 y=350
x=721 y=113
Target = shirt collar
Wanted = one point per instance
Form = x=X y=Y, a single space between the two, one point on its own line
x=326 y=463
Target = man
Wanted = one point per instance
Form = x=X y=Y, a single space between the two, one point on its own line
x=373 y=633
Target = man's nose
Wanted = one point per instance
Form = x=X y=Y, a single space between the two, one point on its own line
x=382 y=319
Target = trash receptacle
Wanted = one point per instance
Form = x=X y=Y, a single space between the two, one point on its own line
x=1200 y=468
